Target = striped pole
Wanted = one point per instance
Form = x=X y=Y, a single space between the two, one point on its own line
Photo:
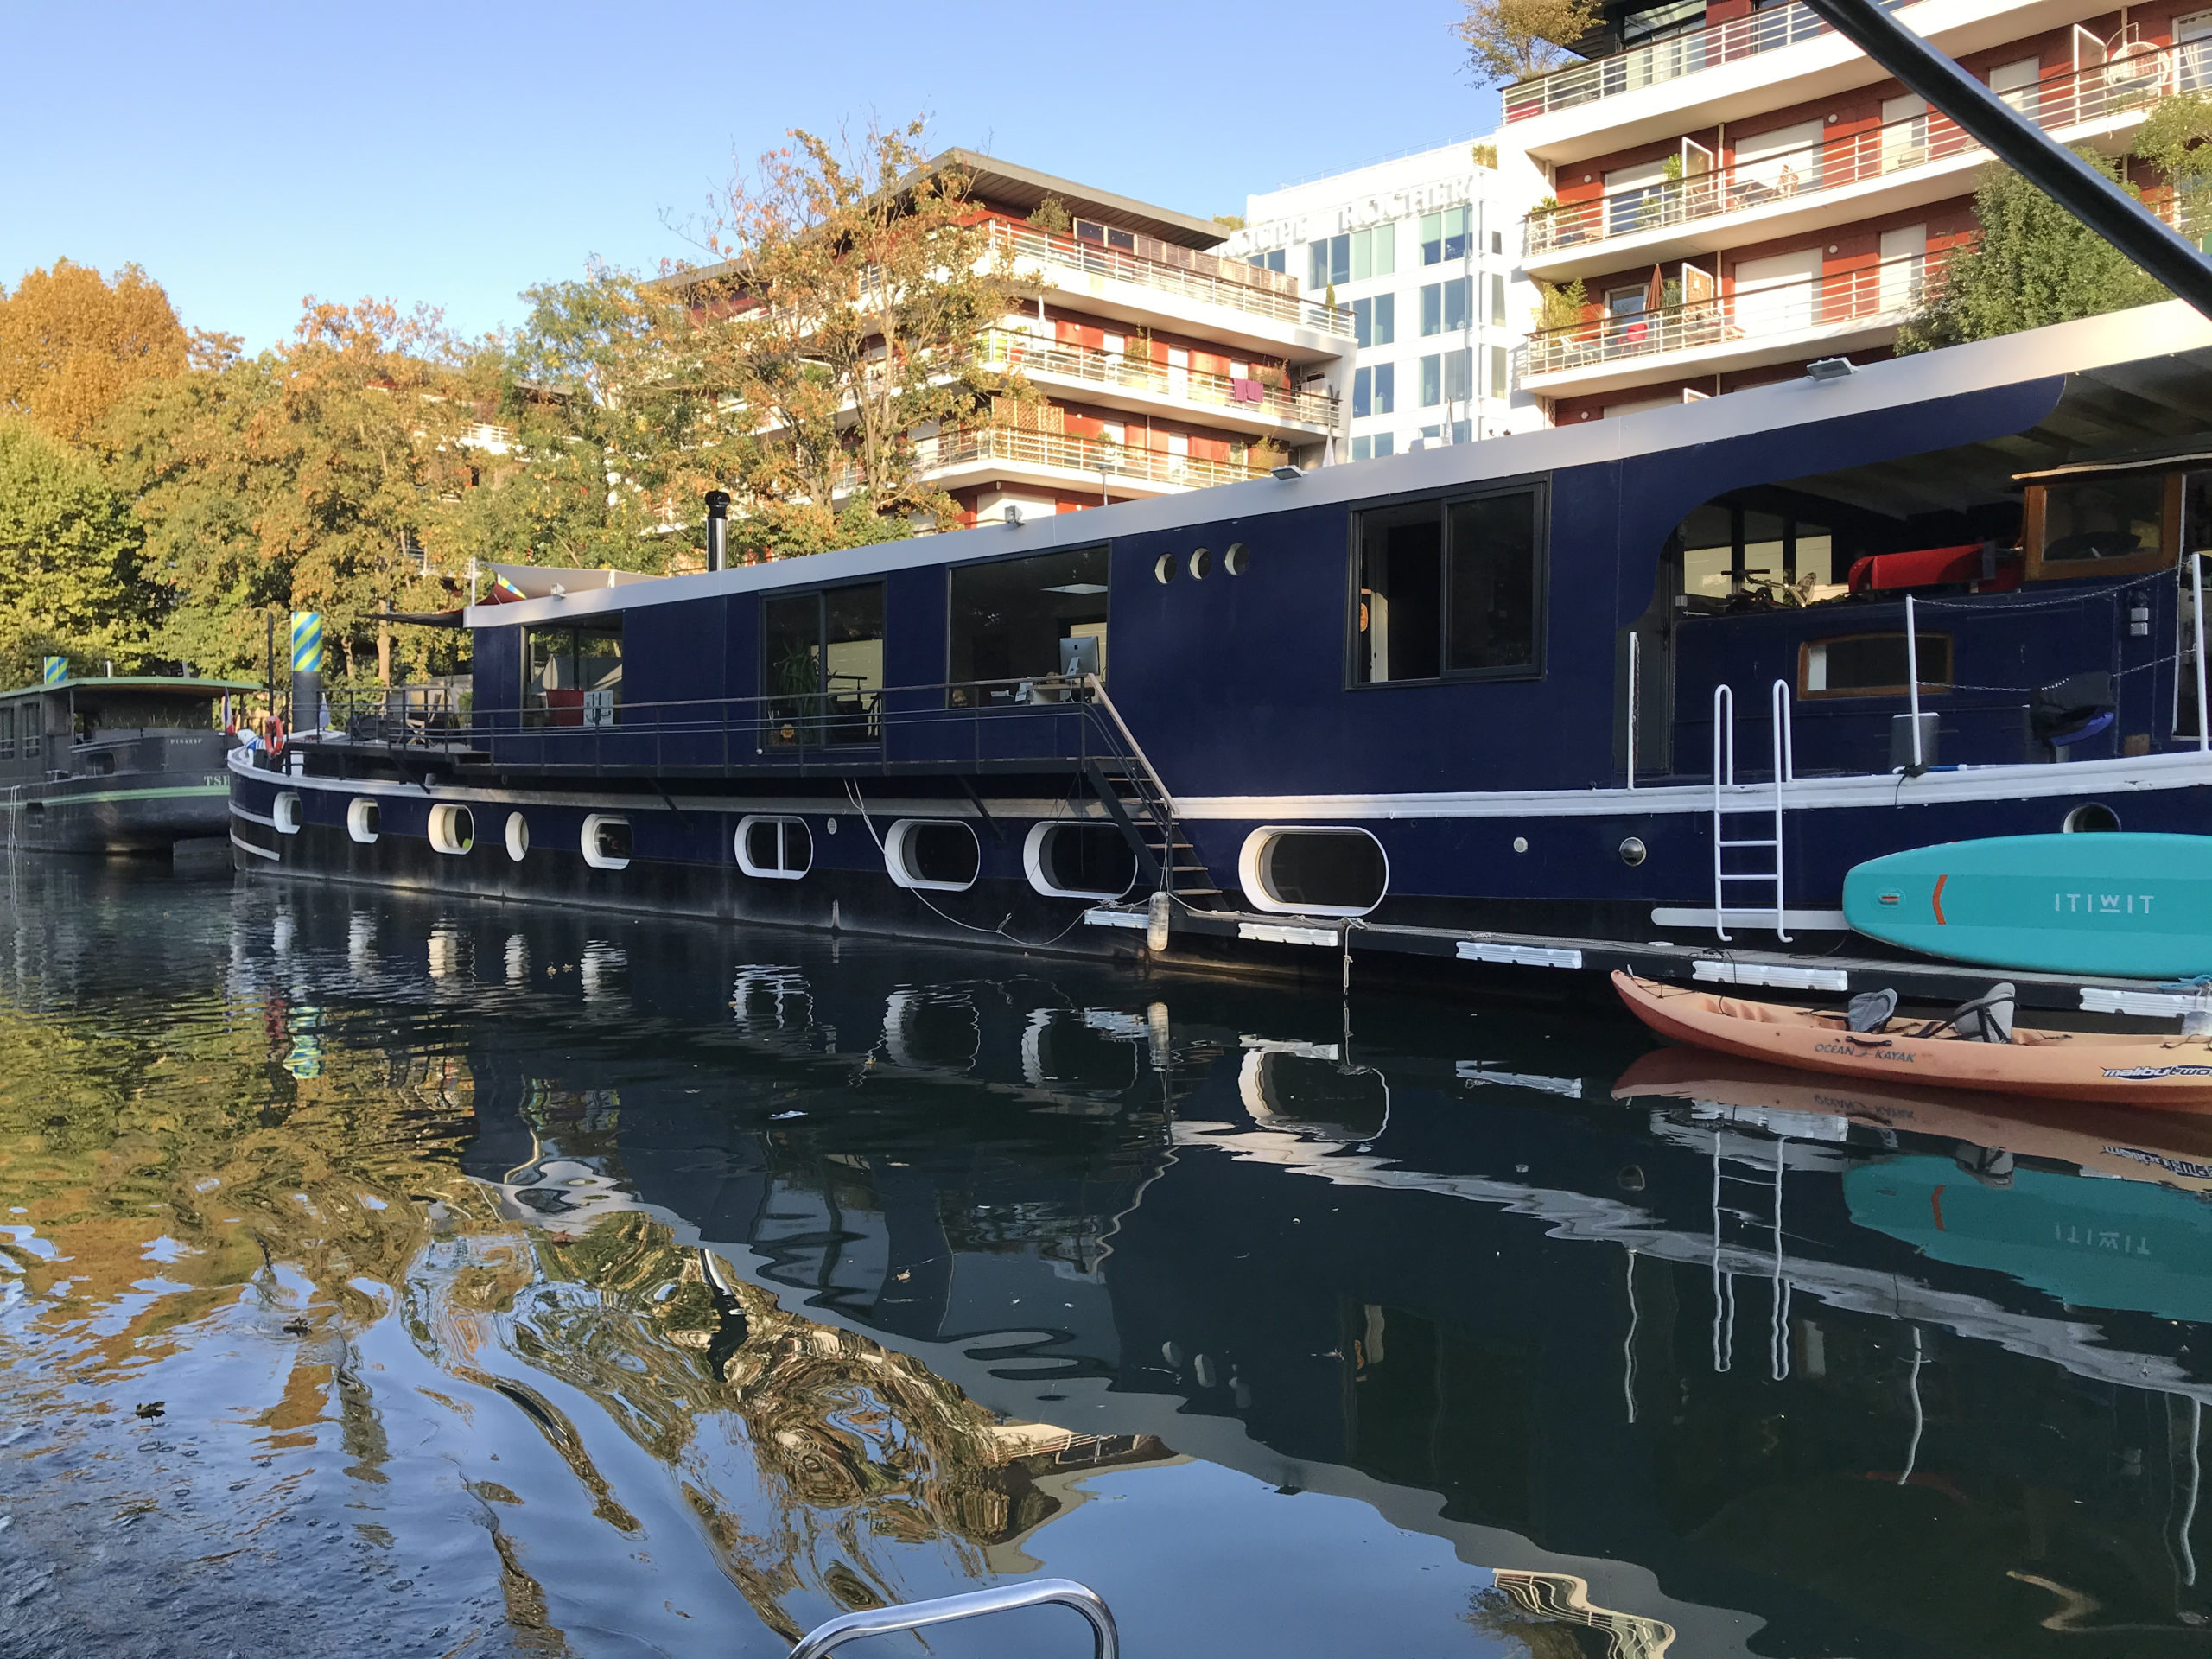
x=306 y=671
x=56 y=670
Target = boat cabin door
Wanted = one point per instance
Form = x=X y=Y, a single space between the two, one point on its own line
x=1644 y=677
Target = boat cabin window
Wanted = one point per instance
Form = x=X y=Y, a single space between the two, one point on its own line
x=7 y=734
x=104 y=709
x=1450 y=589
x=1730 y=549
x=822 y=667
x=2107 y=523
x=1872 y=665
x=573 y=675
x=1022 y=628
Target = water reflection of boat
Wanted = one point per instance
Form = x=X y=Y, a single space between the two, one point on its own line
x=2172 y=1147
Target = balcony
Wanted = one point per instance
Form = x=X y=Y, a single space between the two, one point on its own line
x=1049 y=458
x=1923 y=155
x=1256 y=405
x=1664 y=61
x=1249 y=299
x=1742 y=330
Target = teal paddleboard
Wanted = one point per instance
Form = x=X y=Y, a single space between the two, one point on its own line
x=2134 y=906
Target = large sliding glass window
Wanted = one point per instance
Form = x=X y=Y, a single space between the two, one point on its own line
x=822 y=667
x=573 y=675
x=1025 y=630
x=1451 y=589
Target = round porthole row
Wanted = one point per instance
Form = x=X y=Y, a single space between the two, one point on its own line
x=1163 y=569
x=2091 y=818
x=1238 y=560
x=1201 y=564
x=1633 y=852
x=364 y=821
x=518 y=836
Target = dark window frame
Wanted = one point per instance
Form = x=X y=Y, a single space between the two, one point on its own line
x=956 y=688
x=815 y=731
x=537 y=715
x=1536 y=483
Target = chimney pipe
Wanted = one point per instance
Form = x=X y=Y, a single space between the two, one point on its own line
x=717 y=529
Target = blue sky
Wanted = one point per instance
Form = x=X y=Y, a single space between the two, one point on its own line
x=248 y=155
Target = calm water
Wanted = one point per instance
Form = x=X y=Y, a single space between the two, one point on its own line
x=384 y=1276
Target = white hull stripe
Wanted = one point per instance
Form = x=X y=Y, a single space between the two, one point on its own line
x=248 y=847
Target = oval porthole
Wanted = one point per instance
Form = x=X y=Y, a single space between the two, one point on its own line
x=1312 y=871
x=1079 y=861
x=2091 y=818
x=939 y=854
x=775 y=849
x=518 y=836
x=364 y=821
x=453 y=827
x=1201 y=564
x=285 y=813
x=1163 y=569
x=606 y=841
x=1238 y=560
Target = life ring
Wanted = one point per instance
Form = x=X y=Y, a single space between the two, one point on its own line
x=276 y=735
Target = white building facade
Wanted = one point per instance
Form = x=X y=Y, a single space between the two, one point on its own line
x=1422 y=249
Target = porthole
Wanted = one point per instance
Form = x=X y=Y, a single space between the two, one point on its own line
x=453 y=827
x=939 y=854
x=2092 y=817
x=1238 y=560
x=775 y=849
x=606 y=841
x=518 y=836
x=363 y=821
x=1079 y=861
x=1633 y=852
x=285 y=813
x=1312 y=871
x=1201 y=564
x=1163 y=569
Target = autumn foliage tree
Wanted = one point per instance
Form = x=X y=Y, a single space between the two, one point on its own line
x=1511 y=40
x=69 y=559
x=852 y=284
x=72 y=343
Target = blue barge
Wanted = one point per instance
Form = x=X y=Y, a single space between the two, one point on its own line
x=1631 y=693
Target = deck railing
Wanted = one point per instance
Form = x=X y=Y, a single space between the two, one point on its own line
x=1663 y=61
x=1005 y=350
x=2070 y=100
x=1890 y=291
x=1067 y=253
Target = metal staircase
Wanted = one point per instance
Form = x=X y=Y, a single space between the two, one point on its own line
x=1765 y=866
x=1129 y=787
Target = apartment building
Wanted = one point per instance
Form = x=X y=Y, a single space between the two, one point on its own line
x=1162 y=364
x=1419 y=248
x=1741 y=191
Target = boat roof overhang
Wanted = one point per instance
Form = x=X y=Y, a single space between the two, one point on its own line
x=156 y=685
x=2140 y=378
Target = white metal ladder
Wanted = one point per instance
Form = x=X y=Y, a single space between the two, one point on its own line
x=1725 y=807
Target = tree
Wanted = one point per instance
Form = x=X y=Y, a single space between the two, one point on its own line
x=2033 y=263
x=71 y=344
x=839 y=328
x=69 y=575
x=1512 y=40
x=2173 y=139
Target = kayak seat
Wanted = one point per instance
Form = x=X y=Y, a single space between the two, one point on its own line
x=1870 y=1010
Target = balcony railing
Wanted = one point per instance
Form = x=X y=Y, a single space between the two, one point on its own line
x=1663 y=61
x=1004 y=350
x=1089 y=455
x=1069 y=254
x=1873 y=293
x=2071 y=100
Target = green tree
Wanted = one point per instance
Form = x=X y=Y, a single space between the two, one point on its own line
x=2033 y=263
x=1512 y=40
x=69 y=578
x=2173 y=139
x=839 y=325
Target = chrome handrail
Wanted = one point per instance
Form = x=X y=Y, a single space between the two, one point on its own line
x=945 y=1610
x=1099 y=695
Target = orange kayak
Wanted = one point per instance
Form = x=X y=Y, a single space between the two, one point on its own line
x=2115 y=1067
